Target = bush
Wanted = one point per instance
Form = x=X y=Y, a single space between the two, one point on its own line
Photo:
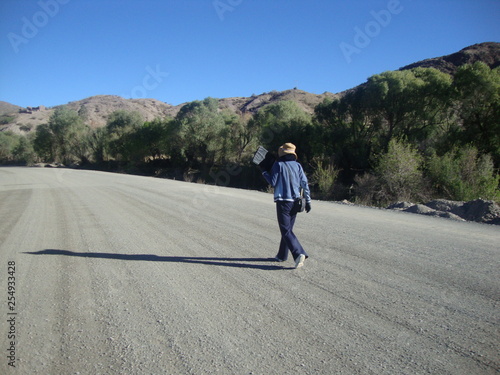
x=24 y=152
x=16 y=149
x=6 y=119
x=399 y=173
x=324 y=176
x=464 y=175
x=8 y=142
x=366 y=189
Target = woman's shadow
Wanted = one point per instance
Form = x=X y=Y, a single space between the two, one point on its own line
x=225 y=262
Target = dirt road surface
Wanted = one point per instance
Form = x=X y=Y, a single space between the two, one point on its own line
x=118 y=274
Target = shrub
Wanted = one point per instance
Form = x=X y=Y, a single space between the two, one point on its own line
x=6 y=119
x=324 y=176
x=464 y=175
x=399 y=172
x=366 y=189
x=8 y=141
x=16 y=149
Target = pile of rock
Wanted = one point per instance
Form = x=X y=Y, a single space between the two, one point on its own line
x=478 y=210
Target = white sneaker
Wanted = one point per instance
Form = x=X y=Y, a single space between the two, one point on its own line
x=299 y=262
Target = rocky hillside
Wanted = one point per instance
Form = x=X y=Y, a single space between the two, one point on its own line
x=96 y=109
x=6 y=108
x=489 y=53
x=8 y=113
x=305 y=100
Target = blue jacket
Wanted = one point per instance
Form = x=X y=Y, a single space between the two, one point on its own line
x=280 y=178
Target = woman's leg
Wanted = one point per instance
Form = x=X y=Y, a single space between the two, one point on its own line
x=286 y=221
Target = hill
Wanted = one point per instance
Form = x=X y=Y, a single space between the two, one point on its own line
x=96 y=109
x=489 y=53
x=8 y=113
x=7 y=108
x=304 y=100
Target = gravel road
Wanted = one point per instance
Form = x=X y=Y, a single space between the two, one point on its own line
x=118 y=274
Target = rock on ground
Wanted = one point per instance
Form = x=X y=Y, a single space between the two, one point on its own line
x=478 y=210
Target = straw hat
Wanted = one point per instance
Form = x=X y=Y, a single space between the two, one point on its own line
x=287 y=149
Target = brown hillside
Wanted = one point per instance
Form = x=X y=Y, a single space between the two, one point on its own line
x=304 y=100
x=98 y=108
x=489 y=53
x=7 y=108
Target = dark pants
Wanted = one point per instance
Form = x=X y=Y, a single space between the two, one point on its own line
x=286 y=220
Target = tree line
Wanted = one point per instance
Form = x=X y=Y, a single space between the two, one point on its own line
x=403 y=135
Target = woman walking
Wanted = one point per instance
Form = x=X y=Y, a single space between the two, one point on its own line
x=287 y=177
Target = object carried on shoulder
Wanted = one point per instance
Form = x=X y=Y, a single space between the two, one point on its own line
x=263 y=159
x=259 y=155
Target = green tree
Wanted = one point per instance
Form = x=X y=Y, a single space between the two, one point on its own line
x=15 y=148
x=200 y=129
x=120 y=125
x=150 y=141
x=413 y=104
x=98 y=142
x=68 y=132
x=8 y=142
x=432 y=115
x=239 y=136
x=44 y=143
x=477 y=89
x=281 y=122
x=344 y=130
x=408 y=103
x=24 y=151
x=276 y=118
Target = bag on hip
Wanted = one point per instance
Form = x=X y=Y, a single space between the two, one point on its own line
x=300 y=203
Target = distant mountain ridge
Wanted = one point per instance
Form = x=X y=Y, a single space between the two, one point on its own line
x=96 y=109
x=489 y=53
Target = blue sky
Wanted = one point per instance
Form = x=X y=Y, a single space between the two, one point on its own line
x=56 y=51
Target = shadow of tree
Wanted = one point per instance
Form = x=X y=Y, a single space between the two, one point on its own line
x=211 y=261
